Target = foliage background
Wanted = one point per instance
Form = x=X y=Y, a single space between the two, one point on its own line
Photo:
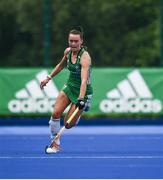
x=117 y=32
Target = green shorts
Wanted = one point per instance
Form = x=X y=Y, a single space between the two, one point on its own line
x=73 y=94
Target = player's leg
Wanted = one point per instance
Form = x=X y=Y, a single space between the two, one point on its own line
x=75 y=120
x=60 y=105
x=54 y=146
x=54 y=124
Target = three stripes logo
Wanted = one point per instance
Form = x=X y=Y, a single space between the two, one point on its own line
x=132 y=95
x=32 y=99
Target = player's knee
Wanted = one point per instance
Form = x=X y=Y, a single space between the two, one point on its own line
x=56 y=115
x=68 y=126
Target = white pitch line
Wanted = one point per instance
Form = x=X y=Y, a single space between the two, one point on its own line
x=82 y=157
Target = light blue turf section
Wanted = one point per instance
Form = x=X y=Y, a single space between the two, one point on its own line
x=118 y=152
x=44 y=130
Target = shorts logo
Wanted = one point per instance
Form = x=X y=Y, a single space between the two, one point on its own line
x=32 y=99
x=132 y=95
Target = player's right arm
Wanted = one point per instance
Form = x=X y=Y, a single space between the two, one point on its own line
x=56 y=69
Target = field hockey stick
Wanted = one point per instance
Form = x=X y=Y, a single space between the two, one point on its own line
x=67 y=123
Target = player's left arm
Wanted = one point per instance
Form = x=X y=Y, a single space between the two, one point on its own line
x=85 y=62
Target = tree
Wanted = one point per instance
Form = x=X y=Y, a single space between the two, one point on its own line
x=117 y=33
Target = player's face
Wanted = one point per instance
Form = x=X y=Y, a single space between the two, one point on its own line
x=75 y=42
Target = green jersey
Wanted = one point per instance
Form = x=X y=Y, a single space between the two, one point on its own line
x=74 y=80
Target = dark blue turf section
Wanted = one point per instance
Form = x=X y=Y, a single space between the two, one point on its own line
x=125 y=152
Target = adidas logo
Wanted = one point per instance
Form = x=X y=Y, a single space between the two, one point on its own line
x=131 y=95
x=32 y=99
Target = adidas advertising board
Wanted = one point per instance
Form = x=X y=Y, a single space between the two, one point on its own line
x=32 y=99
x=122 y=90
x=131 y=95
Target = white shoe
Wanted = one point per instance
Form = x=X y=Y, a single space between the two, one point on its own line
x=49 y=150
x=53 y=148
